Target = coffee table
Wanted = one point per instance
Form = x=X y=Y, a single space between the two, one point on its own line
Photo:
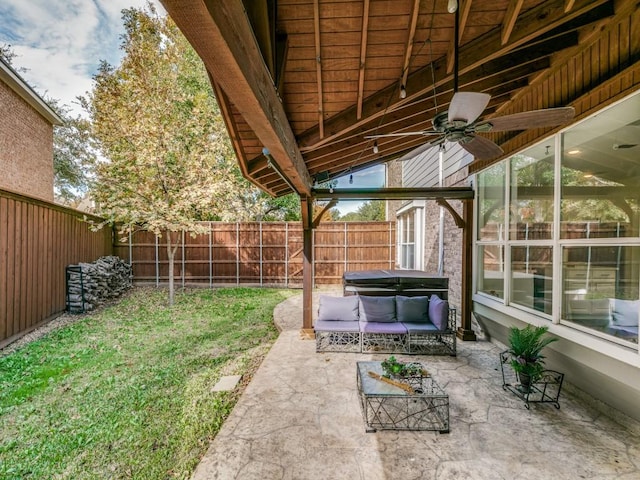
x=389 y=407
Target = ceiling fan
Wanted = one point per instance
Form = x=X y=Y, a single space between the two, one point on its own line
x=460 y=123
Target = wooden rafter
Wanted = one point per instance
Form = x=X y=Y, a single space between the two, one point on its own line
x=409 y=49
x=363 y=57
x=568 y=5
x=513 y=10
x=223 y=38
x=520 y=64
x=316 y=35
x=532 y=24
x=465 y=8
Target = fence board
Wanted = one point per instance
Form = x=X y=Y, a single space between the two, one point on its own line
x=267 y=253
x=37 y=241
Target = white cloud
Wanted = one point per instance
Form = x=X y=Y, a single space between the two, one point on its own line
x=61 y=42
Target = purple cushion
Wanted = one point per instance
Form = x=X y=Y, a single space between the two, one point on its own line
x=438 y=312
x=343 y=309
x=420 y=327
x=412 y=309
x=382 y=327
x=333 y=326
x=378 y=309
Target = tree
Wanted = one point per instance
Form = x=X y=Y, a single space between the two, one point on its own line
x=285 y=208
x=372 y=211
x=168 y=161
x=72 y=155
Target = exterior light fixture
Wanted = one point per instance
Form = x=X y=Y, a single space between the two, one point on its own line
x=375 y=147
x=573 y=152
x=351 y=179
x=452 y=6
x=403 y=91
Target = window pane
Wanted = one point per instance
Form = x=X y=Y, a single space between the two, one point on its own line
x=491 y=188
x=601 y=175
x=532 y=277
x=531 y=205
x=491 y=270
x=600 y=287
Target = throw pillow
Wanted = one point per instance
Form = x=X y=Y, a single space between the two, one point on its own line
x=412 y=309
x=378 y=309
x=624 y=313
x=438 y=312
x=338 y=308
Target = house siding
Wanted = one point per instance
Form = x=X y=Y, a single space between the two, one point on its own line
x=26 y=147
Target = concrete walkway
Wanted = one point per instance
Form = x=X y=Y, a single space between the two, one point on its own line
x=300 y=419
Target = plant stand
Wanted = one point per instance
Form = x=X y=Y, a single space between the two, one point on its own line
x=546 y=389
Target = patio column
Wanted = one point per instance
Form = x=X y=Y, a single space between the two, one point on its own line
x=465 y=332
x=306 y=204
x=466 y=224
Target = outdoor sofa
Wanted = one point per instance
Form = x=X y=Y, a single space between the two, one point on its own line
x=386 y=324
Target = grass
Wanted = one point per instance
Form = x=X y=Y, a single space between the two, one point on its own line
x=126 y=392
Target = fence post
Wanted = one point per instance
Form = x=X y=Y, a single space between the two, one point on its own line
x=286 y=254
x=346 y=256
x=261 y=271
x=210 y=256
x=390 y=247
x=237 y=254
x=157 y=265
x=183 y=260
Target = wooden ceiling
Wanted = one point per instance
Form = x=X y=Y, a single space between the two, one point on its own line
x=302 y=82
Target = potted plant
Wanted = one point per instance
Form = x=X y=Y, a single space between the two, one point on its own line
x=527 y=361
x=396 y=368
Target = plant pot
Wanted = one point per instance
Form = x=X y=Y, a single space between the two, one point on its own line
x=525 y=382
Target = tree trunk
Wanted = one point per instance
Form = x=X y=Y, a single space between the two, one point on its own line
x=172 y=247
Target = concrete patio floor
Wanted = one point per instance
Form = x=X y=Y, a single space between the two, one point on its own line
x=300 y=419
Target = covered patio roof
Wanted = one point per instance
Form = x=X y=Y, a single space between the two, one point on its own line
x=302 y=82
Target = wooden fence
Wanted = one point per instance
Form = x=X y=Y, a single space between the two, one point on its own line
x=37 y=241
x=262 y=253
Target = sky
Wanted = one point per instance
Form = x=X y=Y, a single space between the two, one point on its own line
x=61 y=43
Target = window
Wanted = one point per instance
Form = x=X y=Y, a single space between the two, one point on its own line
x=572 y=206
x=410 y=236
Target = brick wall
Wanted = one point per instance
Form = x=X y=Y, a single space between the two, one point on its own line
x=26 y=148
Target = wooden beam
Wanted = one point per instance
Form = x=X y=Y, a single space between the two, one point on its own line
x=258 y=13
x=316 y=36
x=332 y=203
x=222 y=36
x=459 y=221
x=306 y=205
x=465 y=332
x=395 y=193
x=363 y=57
x=522 y=62
x=465 y=7
x=534 y=23
x=408 y=51
x=513 y=10
x=568 y=5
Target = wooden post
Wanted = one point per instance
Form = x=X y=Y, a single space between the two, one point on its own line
x=306 y=204
x=465 y=332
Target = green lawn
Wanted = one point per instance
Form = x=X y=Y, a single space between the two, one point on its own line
x=126 y=392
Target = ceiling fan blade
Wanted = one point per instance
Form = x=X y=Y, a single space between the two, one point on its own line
x=403 y=134
x=481 y=148
x=468 y=106
x=547 y=117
